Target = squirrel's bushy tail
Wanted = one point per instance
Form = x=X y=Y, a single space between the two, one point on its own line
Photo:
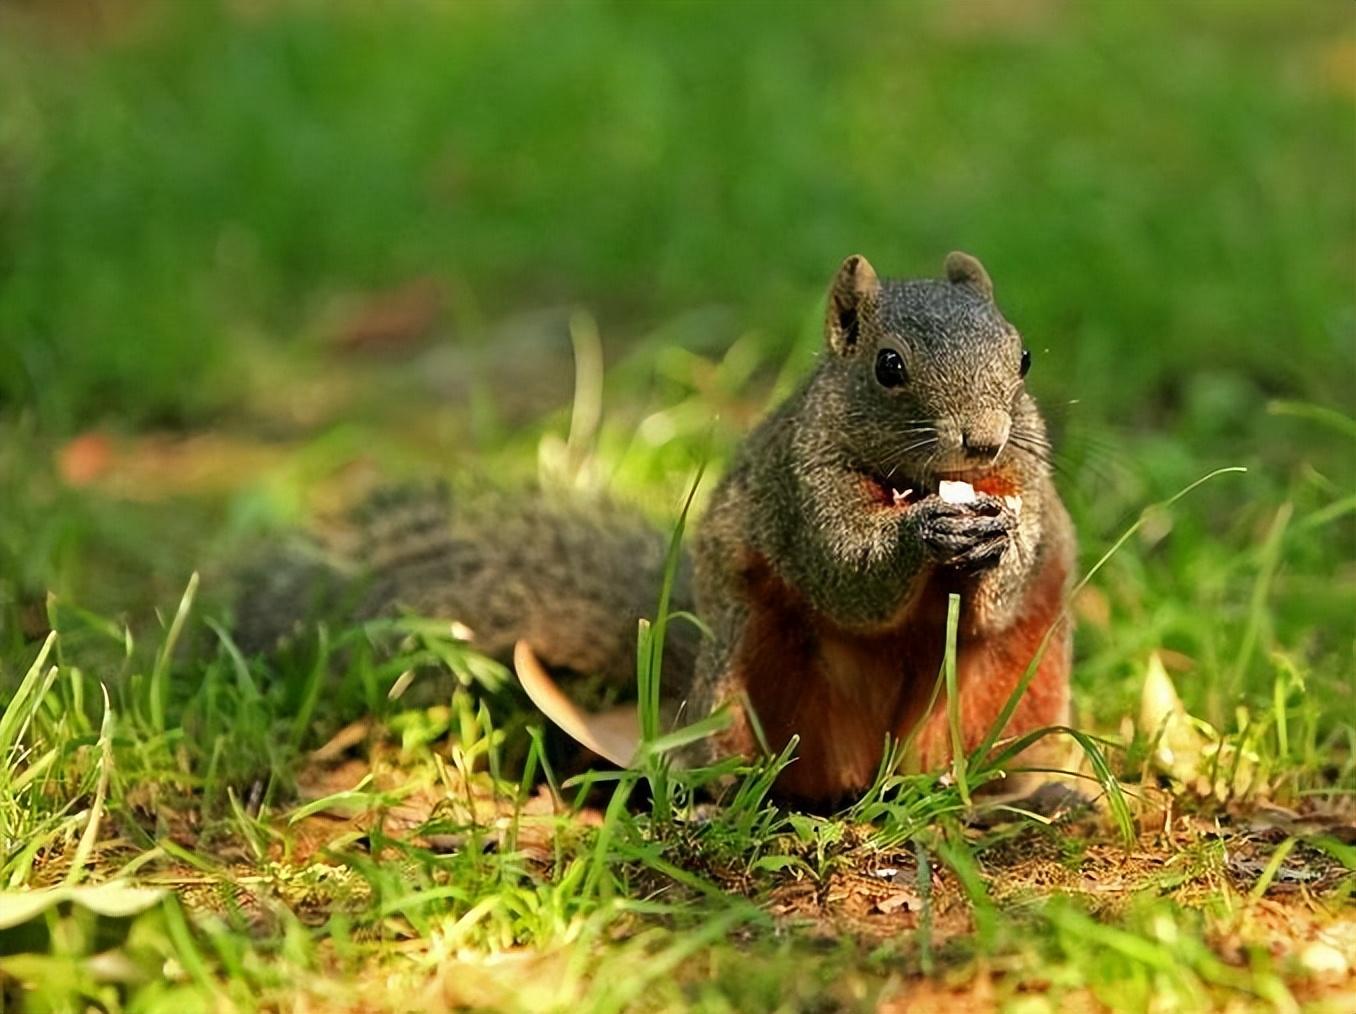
x=571 y=577
x=285 y=587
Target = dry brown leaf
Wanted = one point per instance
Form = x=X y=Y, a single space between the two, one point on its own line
x=393 y=320
x=612 y=735
x=158 y=466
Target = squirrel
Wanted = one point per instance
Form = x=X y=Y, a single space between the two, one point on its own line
x=909 y=465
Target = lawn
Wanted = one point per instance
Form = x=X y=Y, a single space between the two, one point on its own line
x=260 y=258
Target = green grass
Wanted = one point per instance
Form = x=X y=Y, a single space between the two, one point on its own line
x=194 y=199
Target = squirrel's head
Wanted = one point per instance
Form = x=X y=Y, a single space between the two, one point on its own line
x=926 y=378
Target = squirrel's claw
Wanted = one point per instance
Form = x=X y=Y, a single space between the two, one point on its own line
x=980 y=555
x=966 y=536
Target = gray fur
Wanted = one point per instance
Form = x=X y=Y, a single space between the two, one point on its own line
x=571 y=576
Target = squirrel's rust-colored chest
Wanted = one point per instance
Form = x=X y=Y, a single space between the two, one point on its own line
x=843 y=691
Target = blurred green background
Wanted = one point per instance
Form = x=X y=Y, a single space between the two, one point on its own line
x=288 y=240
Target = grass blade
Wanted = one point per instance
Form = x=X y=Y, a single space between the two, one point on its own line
x=651 y=670
x=18 y=712
x=1115 y=798
x=955 y=852
x=159 y=689
x=88 y=839
x=953 y=708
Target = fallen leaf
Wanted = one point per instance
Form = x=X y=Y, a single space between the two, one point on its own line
x=611 y=736
x=85 y=458
x=392 y=320
x=115 y=899
x=159 y=465
x=1188 y=749
x=906 y=900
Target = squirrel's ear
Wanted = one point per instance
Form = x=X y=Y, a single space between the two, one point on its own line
x=854 y=289
x=962 y=269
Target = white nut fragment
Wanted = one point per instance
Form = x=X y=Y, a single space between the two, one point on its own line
x=901 y=495
x=1014 y=503
x=956 y=492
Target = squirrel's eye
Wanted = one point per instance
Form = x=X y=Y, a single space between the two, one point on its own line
x=1026 y=362
x=890 y=368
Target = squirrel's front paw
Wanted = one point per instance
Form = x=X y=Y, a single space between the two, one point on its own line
x=968 y=536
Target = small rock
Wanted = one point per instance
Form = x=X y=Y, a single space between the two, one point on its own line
x=1324 y=961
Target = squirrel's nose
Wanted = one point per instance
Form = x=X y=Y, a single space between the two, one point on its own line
x=981 y=447
x=983 y=444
